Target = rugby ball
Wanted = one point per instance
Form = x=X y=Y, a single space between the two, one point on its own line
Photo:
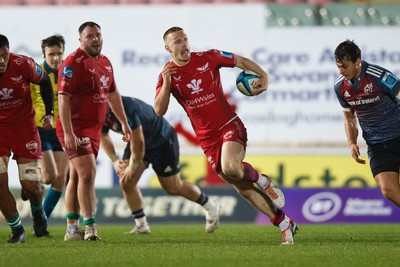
x=245 y=82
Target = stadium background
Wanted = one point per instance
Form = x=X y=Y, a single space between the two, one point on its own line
x=295 y=129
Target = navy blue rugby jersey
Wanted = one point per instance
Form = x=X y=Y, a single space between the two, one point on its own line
x=156 y=129
x=373 y=98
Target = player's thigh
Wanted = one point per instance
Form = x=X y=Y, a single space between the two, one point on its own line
x=85 y=166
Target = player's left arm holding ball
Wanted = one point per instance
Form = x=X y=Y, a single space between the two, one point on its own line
x=247 y=64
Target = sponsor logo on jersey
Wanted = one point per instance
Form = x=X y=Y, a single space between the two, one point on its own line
x=5 y=93
x=104 y=80
x=359 y=102
x=16 y=79
x=19 y=60
x=32 y=146
x=389 y=80
x=195 y=86
x=229 y=134
x=346 y=94
x=226 y=54
x=203 y=68
x=168 y=169
x=368 y=88
x=38 y=70
x=84 y=142
x=92 y=70
x=177 y=79
x=211 y=161
x=108 y=68
x=79 y=59
x=68 y=72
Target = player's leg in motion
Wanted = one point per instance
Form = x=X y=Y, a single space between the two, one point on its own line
x=232 y=166
x=242 y=176
x=165 y=162
x=174 y=185
x=8 y=206
x=30 y=179
x=86 y=169
x=73 y=232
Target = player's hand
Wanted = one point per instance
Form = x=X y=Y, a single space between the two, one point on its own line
x=260 y=86
x=71 y=141
x=119 y=166
x=355 y=153
x=167 y=72
x=47 y=121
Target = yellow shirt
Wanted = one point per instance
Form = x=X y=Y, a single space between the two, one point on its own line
x=37 y=100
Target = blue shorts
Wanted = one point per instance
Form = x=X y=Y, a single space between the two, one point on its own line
x=384 y=157
x=49 y=140
x=164 y=159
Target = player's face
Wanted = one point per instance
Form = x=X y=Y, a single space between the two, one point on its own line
x=177 y=45
x=4 y=57
x=348 y=69
x=91 y=41
x=53 y=55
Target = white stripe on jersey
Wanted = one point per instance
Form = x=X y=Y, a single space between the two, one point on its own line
x=339 y=79
x=374 y=71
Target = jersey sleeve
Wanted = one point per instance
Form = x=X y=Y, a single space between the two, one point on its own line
x=159 y=84
x=67 y=77
x=223 y=58
x=390 y=83
x=342 y=102
x=32 y=70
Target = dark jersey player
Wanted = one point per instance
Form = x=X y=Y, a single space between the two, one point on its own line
x=153 y=142
x=370 y=94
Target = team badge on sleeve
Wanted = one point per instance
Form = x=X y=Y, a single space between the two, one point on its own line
x=226 y=54
x=68 y=72
x=38 y=70
x=389 y=80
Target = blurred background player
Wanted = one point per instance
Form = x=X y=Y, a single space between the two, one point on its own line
x=19 y=135
x=86 y=88
x=193 y=78
x=54 y=163
x=371 y=94
x=153 y=141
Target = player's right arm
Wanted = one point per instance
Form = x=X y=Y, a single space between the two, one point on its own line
x=351 y=129
x=163 y=93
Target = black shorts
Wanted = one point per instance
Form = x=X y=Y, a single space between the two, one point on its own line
x=49 y=140
x=164 y=159
x=385 y=157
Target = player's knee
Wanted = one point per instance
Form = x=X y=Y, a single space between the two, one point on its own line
x=172 y=190
x=231 y=171
x=29 y=171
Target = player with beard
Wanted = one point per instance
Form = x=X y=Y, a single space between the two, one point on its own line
x=86 y=89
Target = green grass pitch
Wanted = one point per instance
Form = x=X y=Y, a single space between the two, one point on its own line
x=231 y=245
